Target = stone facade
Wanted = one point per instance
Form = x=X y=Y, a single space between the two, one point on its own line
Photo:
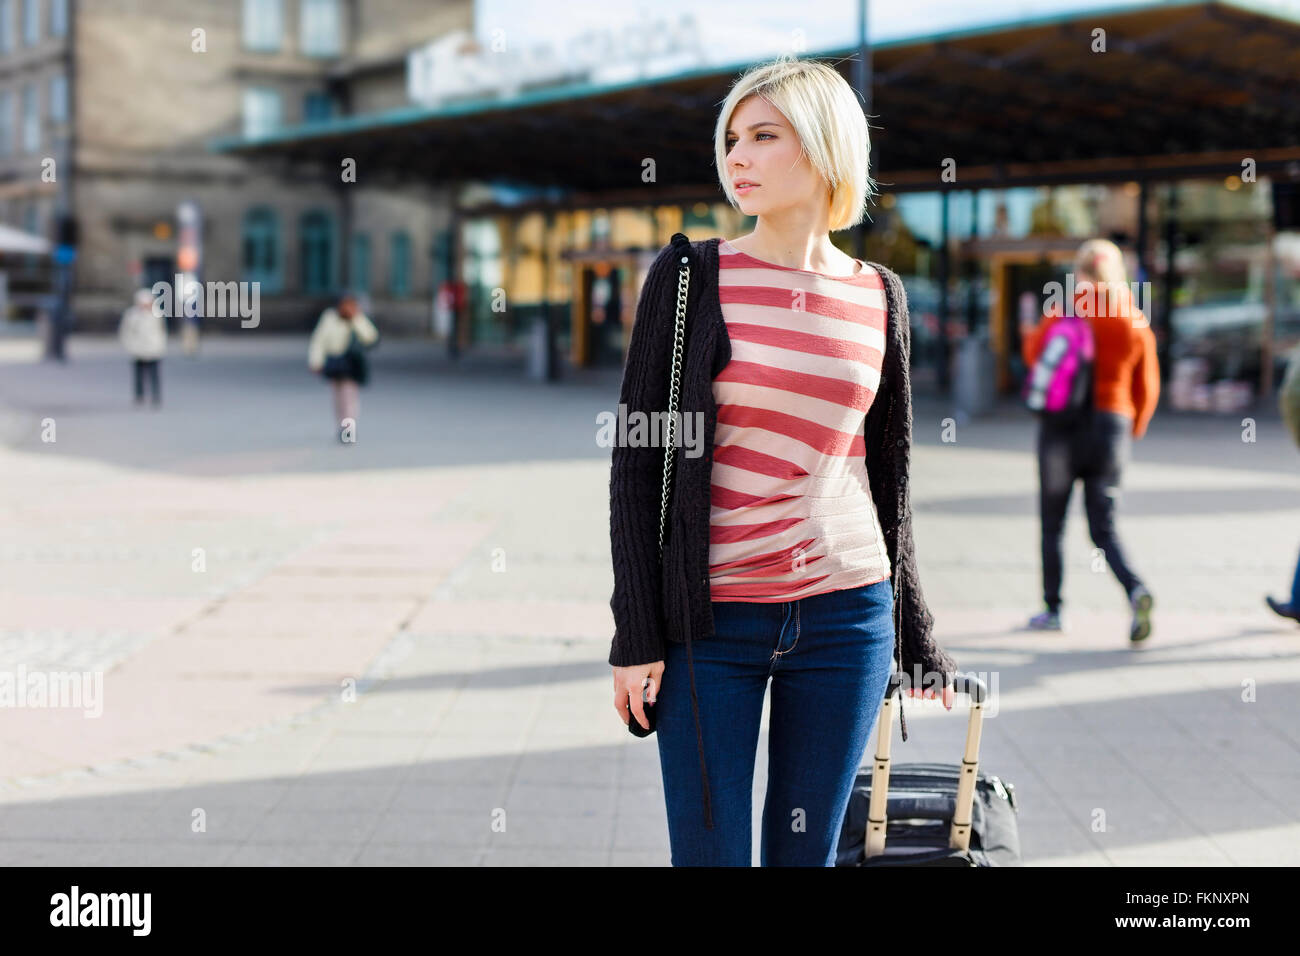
x=147 y=107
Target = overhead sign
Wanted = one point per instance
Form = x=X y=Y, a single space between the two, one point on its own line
x=458 y=66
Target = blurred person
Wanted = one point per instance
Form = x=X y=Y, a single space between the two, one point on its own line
x=190 y=335
x=143 y=333
x=52 y=334
x=789 y=550
x=337 y=351
x=1096 y=446
x=1288 y=400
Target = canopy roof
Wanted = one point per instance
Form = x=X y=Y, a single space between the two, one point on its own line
x=17 y=241
x=1183 y=88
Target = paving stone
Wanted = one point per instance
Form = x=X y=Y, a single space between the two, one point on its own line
x=376 y=683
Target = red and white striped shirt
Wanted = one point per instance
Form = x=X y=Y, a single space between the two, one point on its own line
x=792 y=514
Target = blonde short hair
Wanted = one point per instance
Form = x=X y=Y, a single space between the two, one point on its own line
x=1100 y=260
x=826 y=114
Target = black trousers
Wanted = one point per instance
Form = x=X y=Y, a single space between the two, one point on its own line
x=1096 y=452
x=147 y=367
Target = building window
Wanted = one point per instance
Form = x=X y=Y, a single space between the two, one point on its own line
x=317 y=107
x=262 y=248
x=59 y=98
x=263 y=25
x=31 y=119
x=58 y=18
x=31 y=22
x=6 y=26
x=316 y=252
x=359 y=265
x=399 y=265
x=6 y=123
x=261 y=110
x=320 y=25
x=31 y=219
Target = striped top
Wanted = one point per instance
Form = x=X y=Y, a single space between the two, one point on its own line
x=792 y=514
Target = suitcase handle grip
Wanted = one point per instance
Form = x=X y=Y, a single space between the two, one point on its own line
x=967 y=684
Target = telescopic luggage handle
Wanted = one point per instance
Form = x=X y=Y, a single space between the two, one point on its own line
x=877 y=819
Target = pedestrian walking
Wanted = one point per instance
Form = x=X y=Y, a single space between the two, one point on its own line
x=143 y=333
x=337 y=351
x=788 y=553
x=1095 y=444
x=1289 y=402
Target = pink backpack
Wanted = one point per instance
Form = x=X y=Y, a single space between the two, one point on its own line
x=1059 y=386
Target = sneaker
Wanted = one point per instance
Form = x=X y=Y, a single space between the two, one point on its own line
x=1284 y=610
x=1046 y=621
x=1141 y=602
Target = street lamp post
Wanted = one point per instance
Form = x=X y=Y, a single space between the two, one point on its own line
x=862 y=83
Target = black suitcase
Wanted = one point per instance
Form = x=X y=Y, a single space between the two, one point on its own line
x=936 y=814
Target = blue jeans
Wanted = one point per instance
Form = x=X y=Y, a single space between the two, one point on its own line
x=829 y=657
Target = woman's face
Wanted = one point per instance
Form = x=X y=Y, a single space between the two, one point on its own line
x=763 y=148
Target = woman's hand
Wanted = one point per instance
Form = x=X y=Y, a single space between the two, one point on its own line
x=628 y=682
x=928 y=693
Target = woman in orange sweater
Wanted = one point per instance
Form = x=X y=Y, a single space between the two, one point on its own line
x=1126 y=387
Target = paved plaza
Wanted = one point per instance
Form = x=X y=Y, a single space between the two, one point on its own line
x=393 y=652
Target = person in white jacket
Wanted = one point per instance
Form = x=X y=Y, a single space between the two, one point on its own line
x=337 y=350
x=143 y=333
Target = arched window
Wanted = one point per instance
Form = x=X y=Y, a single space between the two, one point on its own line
x=399 y=265
x=261 y=233
x=316 y=252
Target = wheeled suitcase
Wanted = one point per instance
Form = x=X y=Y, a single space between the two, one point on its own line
x=935 y=814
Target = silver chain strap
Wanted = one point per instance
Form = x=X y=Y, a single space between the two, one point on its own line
x=683 y=285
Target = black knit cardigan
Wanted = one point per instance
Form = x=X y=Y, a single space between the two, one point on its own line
x=654 y=600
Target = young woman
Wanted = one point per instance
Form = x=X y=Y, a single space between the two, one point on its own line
x=337 y=351
x=1126 y=387
x=788 y=549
